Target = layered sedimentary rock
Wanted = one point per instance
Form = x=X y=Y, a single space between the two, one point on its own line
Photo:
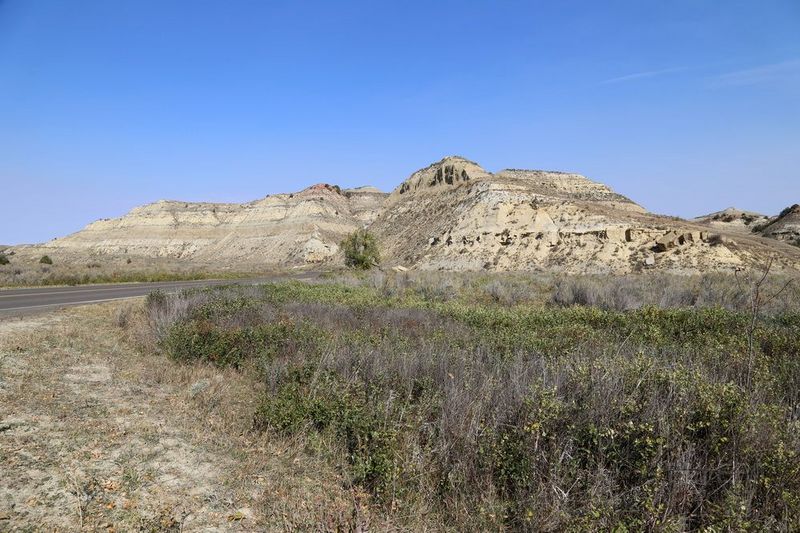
x=451 y=215
x=303 y=227
x=454 y=215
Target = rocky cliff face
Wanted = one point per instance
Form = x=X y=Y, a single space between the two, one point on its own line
x=451 y=215
x=454 y=215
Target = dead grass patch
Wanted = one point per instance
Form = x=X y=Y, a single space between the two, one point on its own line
x=97 y=435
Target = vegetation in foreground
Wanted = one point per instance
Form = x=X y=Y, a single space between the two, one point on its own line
x=97 y=437
x=470 y=410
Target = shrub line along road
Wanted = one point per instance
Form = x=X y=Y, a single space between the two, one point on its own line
x=15 y=302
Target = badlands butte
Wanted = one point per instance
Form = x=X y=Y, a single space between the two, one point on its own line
x=451 y=215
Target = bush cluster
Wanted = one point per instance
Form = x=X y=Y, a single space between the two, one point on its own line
x=483 y=416
x=360 y=250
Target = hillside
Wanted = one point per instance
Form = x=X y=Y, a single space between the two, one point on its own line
x=786 y=226
x=450 y=215
x=302 y=227
x=733 y=219
x=782 y=227
x=454 y=215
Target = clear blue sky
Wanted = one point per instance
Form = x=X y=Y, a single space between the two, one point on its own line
x=686 y=106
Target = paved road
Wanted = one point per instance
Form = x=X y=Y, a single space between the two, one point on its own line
x=15 y=302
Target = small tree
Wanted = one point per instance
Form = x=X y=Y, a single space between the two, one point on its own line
x=360 y=250
x=757 y=300
x=4 y=259
x=45 y=260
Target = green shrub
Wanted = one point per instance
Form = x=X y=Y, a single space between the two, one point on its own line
x=360 y=419
x=45 y=260
x=4 y=259
x=202 y=341
x=480 y=416
x=360 y=250
x=224 y=346
x=788 y=210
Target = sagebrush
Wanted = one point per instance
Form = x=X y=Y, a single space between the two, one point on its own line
x=482 y=415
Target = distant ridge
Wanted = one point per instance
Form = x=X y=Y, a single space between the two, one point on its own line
x=783 y=227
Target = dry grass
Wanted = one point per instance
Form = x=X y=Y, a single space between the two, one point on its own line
x=406 y=401
x=96 y=435
x=619 y=293
x=26 y=271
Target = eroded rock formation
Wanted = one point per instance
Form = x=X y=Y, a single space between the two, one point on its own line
x=297 y=228
x=451 y=215
x=539 y=220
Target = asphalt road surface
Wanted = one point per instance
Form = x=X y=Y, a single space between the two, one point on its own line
x=15 y=302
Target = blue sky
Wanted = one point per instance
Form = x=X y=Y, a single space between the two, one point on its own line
x=686 y=106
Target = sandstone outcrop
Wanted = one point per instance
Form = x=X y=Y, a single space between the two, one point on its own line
x=451 y=215
x=297 y=228
x=454 y=215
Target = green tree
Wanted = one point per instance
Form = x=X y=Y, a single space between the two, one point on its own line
x=4 y=259
x=45 y=260
x=360 y=250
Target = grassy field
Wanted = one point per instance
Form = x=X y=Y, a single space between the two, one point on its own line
x=517 y=402
x=28 y=272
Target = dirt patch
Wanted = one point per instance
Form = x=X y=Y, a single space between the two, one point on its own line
x=96 y=436
x=12 y=324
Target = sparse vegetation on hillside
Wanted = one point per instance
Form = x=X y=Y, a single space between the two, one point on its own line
x=360 y=250
x=770 y=225
x=456 y=409
x=790 y=209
